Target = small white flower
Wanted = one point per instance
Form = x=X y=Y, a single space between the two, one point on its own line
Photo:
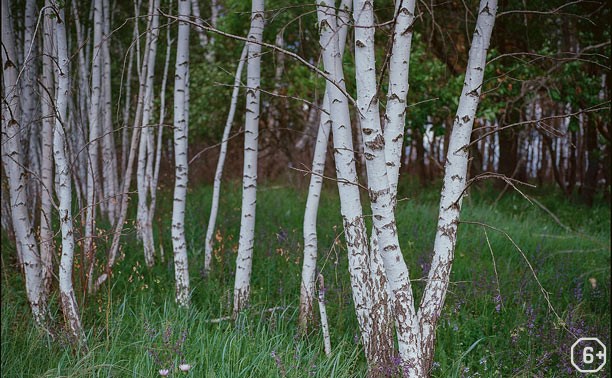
x=184 y=367
x=164 y=372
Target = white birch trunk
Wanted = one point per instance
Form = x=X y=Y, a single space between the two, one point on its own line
x=30 y=115
x=307 y=287
x=210 y=231
x=109 y=153
x=13 y=160
x=92 y=147
x=69 y=304
x=244 y=260
x=323 y=314
x=145 y=151
x=350 y=204
x=378 y=184
x=181 y=111
x=455 y=178
x=47 y=100
x=160 y=132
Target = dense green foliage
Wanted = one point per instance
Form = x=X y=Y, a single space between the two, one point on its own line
x=487 y=330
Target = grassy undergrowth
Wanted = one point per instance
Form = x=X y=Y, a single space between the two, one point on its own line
x=496 y=321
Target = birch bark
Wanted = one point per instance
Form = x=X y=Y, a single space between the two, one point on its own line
x=47 y=101
x=350 y=204
x=454 y=184
x=307 y=287
x=210 y=231
x=244 y=260
x=92 y=147
x=109 y=154
x=12 y=159
x=181 y=109
x=69 y=304
x=145 y=152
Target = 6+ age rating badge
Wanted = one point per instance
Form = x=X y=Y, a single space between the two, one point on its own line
x=588 y=355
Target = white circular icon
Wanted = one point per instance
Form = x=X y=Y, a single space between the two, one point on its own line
x=591 y=356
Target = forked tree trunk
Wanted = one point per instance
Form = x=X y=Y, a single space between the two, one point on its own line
x=454 y=185
x=67 y=298
x=212 y=220
x=244 y=260
x=350 y=203
x=307 y=287
x=381 y=198
x=13 y=161
x=181 y=110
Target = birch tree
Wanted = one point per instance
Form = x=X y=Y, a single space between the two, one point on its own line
x=181 y=110
x=244 y=260
x=93 y=145
x=144 y=171
x=455 y=181
x=212 y=220
x=350 y=203
x=307 y=287
x=68 y=300
x=13 y=161
x=47 y=90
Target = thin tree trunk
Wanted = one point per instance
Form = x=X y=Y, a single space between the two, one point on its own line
x=69 y=304
x=195 y=7
x=244 y=260
x=210 y=231
x=307 y=287
x=160 y=132
x=455 y=181
x=92 y=147
x=181 y=114
x=144 y=174
x=30 y=110
x=47 y=100
x=109 y=153
x=13 y=160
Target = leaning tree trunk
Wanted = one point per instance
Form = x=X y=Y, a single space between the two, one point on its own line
x=212 y=220
x=346 y=173
x=181 y=109
x=13 y=161
x=455 y=181
x=244 y=260
x=67 y=298
x=307 y=287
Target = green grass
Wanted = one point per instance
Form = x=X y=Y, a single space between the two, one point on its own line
x=133 y=318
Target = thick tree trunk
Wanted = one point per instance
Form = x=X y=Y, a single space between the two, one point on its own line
x=244 y=260
x=13 y=160
x=381 y=198
x=67 y=298
x=212 y=220
x=181 y=115
x=307 y=288
x=455 y=181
